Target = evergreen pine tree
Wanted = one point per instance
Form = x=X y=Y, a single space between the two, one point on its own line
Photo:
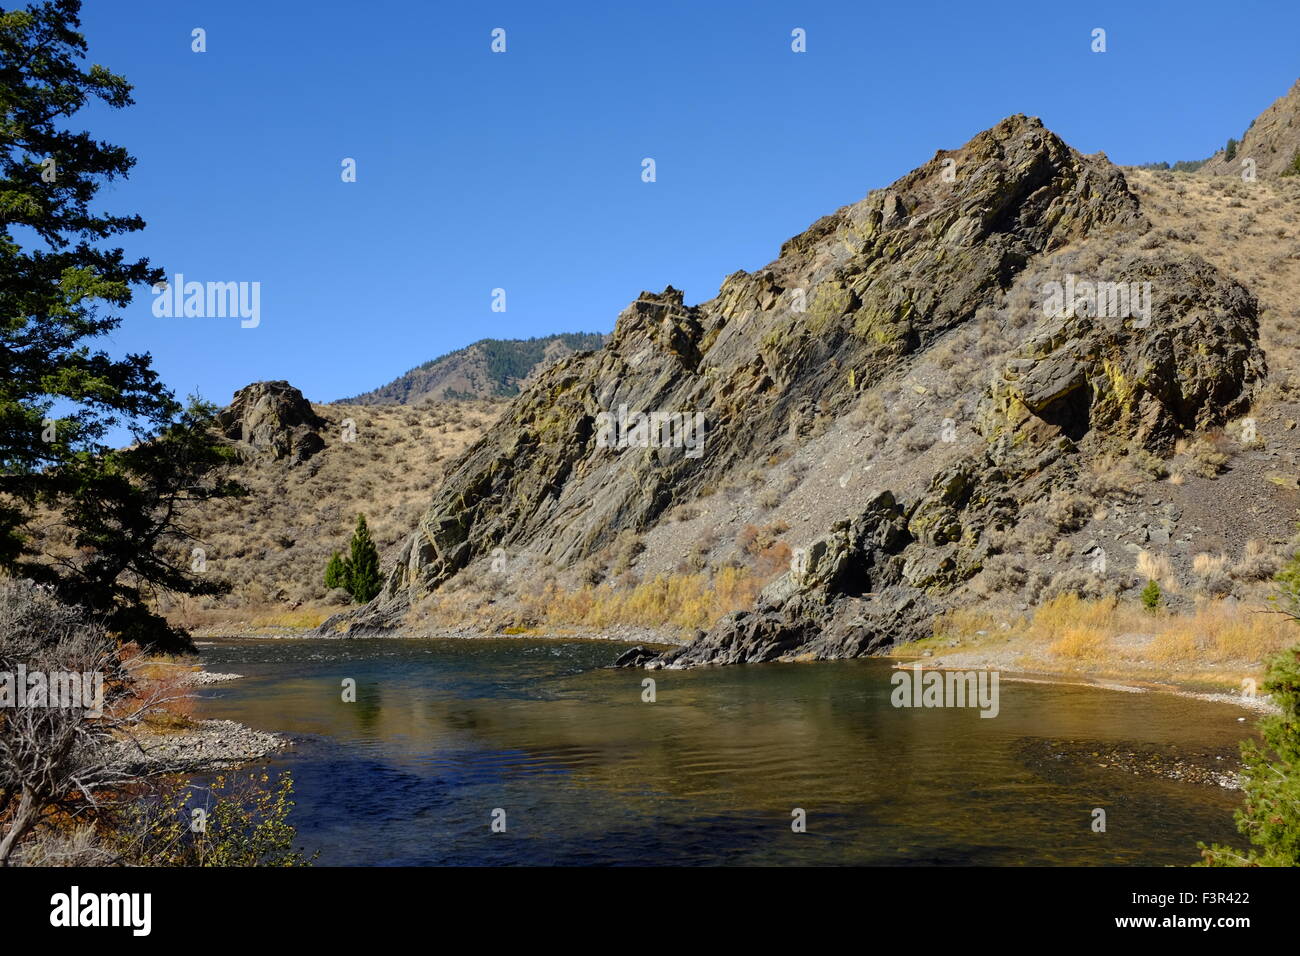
x=1270 y=817
x=336 y=572
x=363 y=580
x=64 y=402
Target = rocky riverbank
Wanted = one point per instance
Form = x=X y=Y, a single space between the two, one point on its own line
x=204 y=678
x=205 y=746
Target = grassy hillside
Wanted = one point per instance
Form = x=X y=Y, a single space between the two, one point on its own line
x=273 y=545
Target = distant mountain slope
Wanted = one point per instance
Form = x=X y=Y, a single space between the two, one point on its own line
x=1272 y=141
x=310 y=469
x=489 y=368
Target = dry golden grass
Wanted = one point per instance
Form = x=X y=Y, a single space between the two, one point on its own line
x=1219 y=642
x=253 y=619
x=273 y=545
x=686 y=601
x=671 y=601
x=1154 y=566
x=1251 y=231
x=1205 y=564
x=1078 y=643
x=166 y=679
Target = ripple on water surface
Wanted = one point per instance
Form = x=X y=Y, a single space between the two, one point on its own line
x=444 y=732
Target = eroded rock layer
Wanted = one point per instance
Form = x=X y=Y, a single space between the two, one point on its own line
x=861 y=294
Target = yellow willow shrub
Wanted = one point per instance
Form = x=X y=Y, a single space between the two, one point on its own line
x=1069 y=611
x=1080 y=643
x=1216 y=632
x=1221 y=633
x=303 y=619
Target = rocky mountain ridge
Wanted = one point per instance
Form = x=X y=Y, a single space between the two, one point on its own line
x=486 y=369
x=884 y=293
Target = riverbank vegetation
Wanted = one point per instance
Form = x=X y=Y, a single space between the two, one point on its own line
x=677 y=604
x=93 y=536
x=80 y=783
x=1218 y=643
x=1270 y=816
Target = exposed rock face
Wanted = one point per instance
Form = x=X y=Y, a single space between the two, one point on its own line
x=272 y=418
x=1184 y=370
x=863 y=292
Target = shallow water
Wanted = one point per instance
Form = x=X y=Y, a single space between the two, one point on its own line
x=443 y=732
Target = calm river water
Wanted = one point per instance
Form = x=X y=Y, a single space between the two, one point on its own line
x=445 y=732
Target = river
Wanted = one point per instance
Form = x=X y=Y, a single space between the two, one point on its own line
x=447 y=735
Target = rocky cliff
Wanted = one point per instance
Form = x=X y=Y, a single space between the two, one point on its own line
x=1003 y=292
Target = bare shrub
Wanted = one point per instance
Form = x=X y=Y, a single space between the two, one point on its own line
x=1257 y=563
x=1111 y=475
x=1211 y=576
x=1207 y=455
x=1068 y=510
x=1156 y=567
x=59 y=758
x=627 y=546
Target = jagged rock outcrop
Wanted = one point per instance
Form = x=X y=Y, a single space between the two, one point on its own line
x=1188 y=365
x=272 y=419
x=862 y=293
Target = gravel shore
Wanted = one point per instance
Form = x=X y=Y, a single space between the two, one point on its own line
x=208 y=745
x=203 y=678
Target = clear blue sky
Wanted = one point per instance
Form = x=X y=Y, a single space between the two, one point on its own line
x=522 y=170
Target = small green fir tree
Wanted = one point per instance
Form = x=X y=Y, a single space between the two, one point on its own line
x=336 y=572
x=363 y=579
x=1151 y=596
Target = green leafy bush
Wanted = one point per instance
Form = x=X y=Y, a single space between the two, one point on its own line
x=234 y=821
